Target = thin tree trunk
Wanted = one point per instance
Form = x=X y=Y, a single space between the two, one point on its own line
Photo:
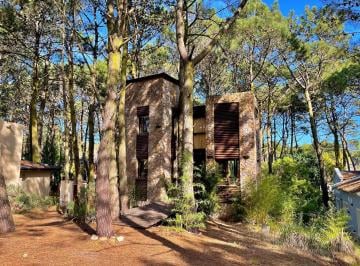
x=74 y=138
x=66 y=118
x=91 y=179
x=33 y=130
x=44 y=92
x=123 y=184
x=317 y=148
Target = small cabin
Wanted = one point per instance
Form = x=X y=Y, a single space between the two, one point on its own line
x=36 y=177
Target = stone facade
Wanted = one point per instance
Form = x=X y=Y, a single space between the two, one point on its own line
x=161 y=94
x=249 y=160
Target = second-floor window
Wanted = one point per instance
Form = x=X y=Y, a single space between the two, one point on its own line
x=143 y=124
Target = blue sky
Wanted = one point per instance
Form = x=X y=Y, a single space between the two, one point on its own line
x=297 y=5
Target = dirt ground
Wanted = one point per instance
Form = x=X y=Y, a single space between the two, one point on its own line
x=44 y=237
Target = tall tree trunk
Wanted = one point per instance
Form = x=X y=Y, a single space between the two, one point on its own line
x=44 y=95
x=114 y=68
x=91 y=177
x=34 y=136
x=187 y=134
x=74 y=137
x=7 y=224
x=116 y=25
x=71 y=78
x=66 y=115
x=269 y=137
x=317 y=148
x=123 y=184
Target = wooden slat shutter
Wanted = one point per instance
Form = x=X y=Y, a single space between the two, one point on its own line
x=142 y=140
x=142 y=143
x=143 y=111
x=226 y=131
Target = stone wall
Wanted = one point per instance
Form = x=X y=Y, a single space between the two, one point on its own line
x=11 y=136
x=160 y=95
x=248 y=129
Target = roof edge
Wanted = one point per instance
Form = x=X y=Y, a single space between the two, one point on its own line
x=154 y=76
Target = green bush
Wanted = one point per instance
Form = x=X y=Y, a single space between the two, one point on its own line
x=264 y=201
x=80 y=210
x=185 y=216
x=324 y=234
x=206 y=181
x=23 y=202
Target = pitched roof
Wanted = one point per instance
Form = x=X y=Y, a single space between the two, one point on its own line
x=350 y=182
x=155 y=76
x=28 y=165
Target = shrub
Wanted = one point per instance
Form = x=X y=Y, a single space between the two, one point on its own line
x=324 y=233
x=206 y=181
x=80 y=211
x=264 y=202
x=185 y=216
x=23 y=202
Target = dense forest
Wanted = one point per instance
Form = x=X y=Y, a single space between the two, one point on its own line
x=64 y=66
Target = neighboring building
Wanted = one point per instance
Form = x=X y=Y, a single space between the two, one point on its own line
x=226 y=130
x=31 y=177
x=11 y=136
x=347 y=195
x=36 y=177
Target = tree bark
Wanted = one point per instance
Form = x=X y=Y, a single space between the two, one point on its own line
x=187 y=135
x=123 y=183
x=317 y=148
x=33 y=130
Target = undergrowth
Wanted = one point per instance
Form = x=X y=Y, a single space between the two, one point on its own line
x=22 y=202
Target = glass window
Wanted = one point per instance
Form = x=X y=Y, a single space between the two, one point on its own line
x=142 y=169
x=144 y=124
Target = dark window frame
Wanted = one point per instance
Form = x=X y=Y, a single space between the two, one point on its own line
x=144 y=124
x=143 y=169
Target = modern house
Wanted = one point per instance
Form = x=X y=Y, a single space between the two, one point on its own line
x=226 y=130
x=347 y=196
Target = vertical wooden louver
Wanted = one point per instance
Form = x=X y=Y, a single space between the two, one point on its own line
x=142 y=140
x=143 y=111
x=226 y=131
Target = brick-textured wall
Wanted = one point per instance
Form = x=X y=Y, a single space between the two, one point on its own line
x=248 y=128
x=160 y=95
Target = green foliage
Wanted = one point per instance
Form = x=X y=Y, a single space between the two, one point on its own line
x=206 y=181
x=265 y=200
x=185 y=217
x=81 y=211
x=23 y=202
x=324 y=234
x=298 y=178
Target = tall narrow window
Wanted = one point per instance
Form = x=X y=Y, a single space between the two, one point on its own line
x=143 y=115
x=143 y=124
x=142 y=169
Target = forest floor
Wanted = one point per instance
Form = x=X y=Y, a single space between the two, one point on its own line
x=44 y=237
